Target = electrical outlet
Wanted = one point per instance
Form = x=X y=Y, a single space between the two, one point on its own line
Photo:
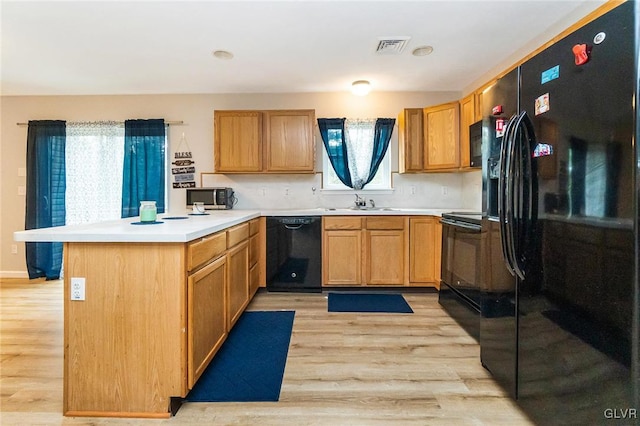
x=22 y=190
x=77 y=288
x=263 y=191
x=412 y=189
x=445 y=190
x=286 y=191
x=14 y=249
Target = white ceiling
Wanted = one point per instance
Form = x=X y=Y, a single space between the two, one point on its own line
x=158 y=47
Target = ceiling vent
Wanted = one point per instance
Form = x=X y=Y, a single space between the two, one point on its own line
x=391 y=45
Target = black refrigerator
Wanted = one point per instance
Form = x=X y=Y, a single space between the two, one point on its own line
x=561 y=182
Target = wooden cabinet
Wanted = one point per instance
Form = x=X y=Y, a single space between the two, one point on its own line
x=289 y=142
x=360 y=250
x=467 y=117
x=238 y=272
x=411 y=140
x=206 y=316
x=441 y=146
x=270 y=141
x=425 y=246
x=254 y=256
x=342 y=251
x=237 y=146
x=428 y=139
x=385 y=248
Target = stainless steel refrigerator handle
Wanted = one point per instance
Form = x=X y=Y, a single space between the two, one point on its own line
x=502 y=196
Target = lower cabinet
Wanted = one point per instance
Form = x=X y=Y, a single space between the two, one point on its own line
x=425 y=234
x=385 y=248
x=342 y=257
x=206 y=316
x=238 y=282
x=381 y=251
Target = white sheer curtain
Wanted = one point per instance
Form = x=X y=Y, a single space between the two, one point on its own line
x=94 y=161
x=359 y=136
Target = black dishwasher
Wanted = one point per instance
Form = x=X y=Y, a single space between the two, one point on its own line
x=294 y=253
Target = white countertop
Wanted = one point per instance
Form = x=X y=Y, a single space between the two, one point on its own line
x=380 y=211
x=184 y=230
x=122 y=230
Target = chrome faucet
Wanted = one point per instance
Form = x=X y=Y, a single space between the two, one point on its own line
x=373 y=203
x=360 y=202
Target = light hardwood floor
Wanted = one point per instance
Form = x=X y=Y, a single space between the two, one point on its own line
x=342 y=368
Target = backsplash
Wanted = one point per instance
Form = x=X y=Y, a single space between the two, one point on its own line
x=436 y=190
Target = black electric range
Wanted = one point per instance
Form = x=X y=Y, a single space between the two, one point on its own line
x=460 y=269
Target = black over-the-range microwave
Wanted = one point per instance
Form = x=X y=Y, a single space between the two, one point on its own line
x=213 y=198
x=475 y=144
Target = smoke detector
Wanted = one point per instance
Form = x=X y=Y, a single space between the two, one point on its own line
x=391 y=45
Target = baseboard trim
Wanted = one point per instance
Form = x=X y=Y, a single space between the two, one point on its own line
x=14 y=274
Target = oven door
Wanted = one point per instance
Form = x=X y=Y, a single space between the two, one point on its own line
x=461 y=259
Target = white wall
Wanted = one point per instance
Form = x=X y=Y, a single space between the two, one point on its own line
x=196 y=111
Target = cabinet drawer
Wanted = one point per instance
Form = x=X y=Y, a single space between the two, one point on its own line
x=237 y=234
x=205 y=249
x=385 y=222
x=254 y=226
x=342 y=222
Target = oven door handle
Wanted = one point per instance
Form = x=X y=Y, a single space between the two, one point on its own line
x=461 y=225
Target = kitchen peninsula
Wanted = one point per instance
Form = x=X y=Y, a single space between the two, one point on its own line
x=158 y=301
x=155 y=302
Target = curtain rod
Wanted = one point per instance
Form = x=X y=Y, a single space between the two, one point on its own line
x=168 y=123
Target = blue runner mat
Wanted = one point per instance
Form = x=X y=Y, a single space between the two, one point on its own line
x=250 y=364
x=368 y=302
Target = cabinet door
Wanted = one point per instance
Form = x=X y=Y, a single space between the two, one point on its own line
x=411 y=140
x=237 y=143
x=424 y=251
x=385 y=257
x=467 y=117
x=254 y=280
x=342 y=257
x=441 y=137
x=290 y=145
x=237 y=282
x=207 y=328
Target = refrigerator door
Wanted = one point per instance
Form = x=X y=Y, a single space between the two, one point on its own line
x=575 y=305
x=497 y=285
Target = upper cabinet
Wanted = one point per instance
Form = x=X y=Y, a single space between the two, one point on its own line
x=271 y=141
x=467 y=117
x=411 y=140
x=237 y=143
x=289 y=141
x=428 y=139
x=441 y=146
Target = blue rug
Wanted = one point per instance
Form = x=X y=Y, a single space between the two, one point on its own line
x=368 y=302
x=250 y=364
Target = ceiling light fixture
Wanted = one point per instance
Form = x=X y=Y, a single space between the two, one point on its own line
x=222 y=54
x=360 y=87
x=422 y=51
